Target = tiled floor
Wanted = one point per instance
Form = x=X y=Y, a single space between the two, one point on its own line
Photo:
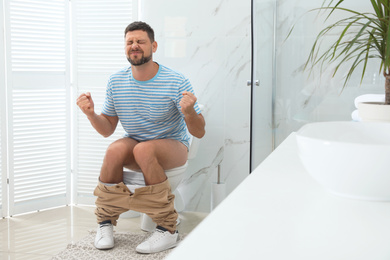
x=43 y=234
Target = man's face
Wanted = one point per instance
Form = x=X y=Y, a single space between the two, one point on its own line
x=139 y=48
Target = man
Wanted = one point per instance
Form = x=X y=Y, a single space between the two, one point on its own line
x=156 y=106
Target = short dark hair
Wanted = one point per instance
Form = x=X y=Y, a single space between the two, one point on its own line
x=138 y=25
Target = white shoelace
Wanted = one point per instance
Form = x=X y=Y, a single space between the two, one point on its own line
x=105 y=231
x=156 y=235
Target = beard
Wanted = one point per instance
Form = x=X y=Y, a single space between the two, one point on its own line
x=139 y=61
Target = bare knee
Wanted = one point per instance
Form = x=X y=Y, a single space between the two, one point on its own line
x=114 y=160
x=144 y=154
x=115 y=154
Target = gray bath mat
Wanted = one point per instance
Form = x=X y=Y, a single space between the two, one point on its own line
x=125 y=244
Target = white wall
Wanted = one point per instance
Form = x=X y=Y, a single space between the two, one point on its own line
x=209 y=42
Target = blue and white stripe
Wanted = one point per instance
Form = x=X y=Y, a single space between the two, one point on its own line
x=149 y=109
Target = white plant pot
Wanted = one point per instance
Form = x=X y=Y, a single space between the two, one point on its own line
x=374 y=112
x=350 y=159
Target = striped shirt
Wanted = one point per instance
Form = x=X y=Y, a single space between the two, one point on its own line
x=149 y=109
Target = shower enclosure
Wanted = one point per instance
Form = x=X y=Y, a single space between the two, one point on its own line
x=262 y=80
x=283 y=97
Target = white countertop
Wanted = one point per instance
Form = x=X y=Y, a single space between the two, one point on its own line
x=280 y=212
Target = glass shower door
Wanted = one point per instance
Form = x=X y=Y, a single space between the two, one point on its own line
x=262 y=82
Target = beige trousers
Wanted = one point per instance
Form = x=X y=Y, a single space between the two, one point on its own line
x=154 y=200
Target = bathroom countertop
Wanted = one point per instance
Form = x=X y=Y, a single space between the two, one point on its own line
x=280 y=212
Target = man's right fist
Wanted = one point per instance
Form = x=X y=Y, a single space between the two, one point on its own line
x=85 y=103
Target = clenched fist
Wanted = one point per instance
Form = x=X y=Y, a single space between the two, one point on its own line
x=187 y=103
x=85 y=103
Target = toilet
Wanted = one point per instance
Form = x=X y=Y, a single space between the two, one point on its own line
x=175 y=175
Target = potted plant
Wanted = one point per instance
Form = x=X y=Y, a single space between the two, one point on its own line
x=347 y=158
x=361 y=37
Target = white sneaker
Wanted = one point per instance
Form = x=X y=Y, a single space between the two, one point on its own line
x=159 y=241
x=104 y=236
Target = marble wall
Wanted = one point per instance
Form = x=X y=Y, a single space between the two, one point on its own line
x=209 y=42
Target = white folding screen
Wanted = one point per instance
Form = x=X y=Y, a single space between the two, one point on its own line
x=3 y=151
x=98 y=51
x=38 y=100
x=38 y=88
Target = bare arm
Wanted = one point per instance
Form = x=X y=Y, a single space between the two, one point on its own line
x=104 y=125
x=195 y=122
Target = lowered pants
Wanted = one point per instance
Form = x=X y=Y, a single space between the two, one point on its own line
x=156 y=201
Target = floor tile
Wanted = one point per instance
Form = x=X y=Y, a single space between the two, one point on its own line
x=43 y=234
x=22 y=256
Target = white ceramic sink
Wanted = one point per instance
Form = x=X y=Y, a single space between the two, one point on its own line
x=351 y=159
